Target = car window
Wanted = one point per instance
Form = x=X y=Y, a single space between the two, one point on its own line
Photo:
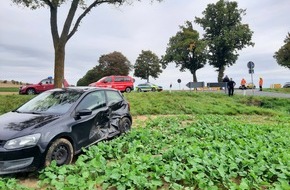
x=127 y=79
x=113 y=97
x=92 y=101
x=57 y=102
x=108 y=79
x=119 y=79
x=47 y=81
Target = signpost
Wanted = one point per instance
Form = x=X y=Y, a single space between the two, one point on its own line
x=195 y=85
x=251 y=66
x=179 y=81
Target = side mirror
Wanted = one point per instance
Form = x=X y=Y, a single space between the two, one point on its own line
x=83 y=112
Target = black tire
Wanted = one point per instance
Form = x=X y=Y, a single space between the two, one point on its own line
x=153 y=89
x=139 y=90
x=30 y=91
x=125 y=125
x=128 y=90
x=61 y=151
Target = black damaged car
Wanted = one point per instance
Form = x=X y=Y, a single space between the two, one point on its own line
x=57 y=124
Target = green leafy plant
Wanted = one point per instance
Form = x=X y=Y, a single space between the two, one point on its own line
x=176 y=152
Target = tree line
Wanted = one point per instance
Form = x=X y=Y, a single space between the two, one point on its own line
x=224 y=35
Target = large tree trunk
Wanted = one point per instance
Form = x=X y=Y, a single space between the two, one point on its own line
x=194 y=76
x=59 y=66
x=221 y=73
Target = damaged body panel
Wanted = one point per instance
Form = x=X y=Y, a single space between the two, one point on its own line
x=57 y=124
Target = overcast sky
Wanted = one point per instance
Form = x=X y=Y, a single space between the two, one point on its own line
x=27 y=54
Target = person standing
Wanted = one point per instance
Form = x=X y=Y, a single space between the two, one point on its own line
x=231 y=85
x=243 y=83
x=261 y=83
x=226 y=79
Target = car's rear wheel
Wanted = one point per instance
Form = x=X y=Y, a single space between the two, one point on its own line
x=128 y=89
x=125 y=125
x=139 y=90
x=153 y=89
x=30 y=91
x=61 y=151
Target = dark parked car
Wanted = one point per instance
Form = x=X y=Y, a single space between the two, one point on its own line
x=57 y=124
x=286 y=85
x=145 y=87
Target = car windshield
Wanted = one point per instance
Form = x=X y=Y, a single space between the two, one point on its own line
x=51 y=102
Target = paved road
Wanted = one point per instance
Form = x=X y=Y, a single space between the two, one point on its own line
x=256 y=92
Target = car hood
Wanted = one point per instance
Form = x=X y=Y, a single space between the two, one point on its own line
x=13 y=124
x=29 y=85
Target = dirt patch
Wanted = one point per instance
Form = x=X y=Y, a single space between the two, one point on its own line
x=8 y=93
x=29 y=182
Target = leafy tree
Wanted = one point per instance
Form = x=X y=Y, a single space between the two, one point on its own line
x=91 y=76
x=110 y=64
x=186 y=50
x=146 y=65
x=283 y=54
x=70 y=26
x=225 y=34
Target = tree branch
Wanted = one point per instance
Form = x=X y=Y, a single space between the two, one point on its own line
x=53 y=22
x=67 y=24
x=87 y=10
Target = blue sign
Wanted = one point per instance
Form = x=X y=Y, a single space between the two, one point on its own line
x=251 y=65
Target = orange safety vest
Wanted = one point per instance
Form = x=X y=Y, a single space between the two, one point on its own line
x=261 y=82
x=243 y=82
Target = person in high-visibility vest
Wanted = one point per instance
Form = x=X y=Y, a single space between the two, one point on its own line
x=243 y=83
x=261 y=83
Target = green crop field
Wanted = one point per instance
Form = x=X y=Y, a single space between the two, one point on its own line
x=9 y=89
x=181 y=140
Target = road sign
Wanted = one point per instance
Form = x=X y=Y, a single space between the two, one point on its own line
x=195 y=84
x=251 y=65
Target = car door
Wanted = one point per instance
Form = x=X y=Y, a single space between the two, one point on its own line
x=108 y=82
x=119 y=83
x=91 y=128
x=45 y=84
x=147 y=87
x=118 y=108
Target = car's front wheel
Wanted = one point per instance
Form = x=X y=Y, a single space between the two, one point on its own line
x=139 y=90
x=61 y=151
x=30 y=91
x=128 y=89
x=153 y=89
x=125 y=125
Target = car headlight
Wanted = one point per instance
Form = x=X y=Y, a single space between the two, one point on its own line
x=29 y=140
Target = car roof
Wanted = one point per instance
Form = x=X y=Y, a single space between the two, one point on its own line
x=83 y=89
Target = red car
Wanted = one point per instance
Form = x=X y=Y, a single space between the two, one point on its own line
x=121 y=83
x=43 y=85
